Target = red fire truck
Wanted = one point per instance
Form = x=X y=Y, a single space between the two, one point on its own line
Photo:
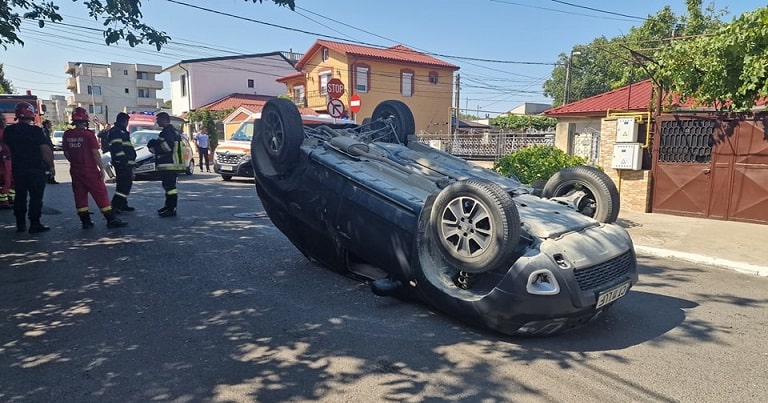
x=8 y=106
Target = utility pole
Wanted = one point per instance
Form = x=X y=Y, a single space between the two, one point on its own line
x=455 y=119
x=569 y=65
x=93 y=89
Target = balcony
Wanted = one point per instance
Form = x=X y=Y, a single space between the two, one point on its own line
x=84 y=99
x=151 y=84
x=153 y=102
x=71 y=84
x=149 y=68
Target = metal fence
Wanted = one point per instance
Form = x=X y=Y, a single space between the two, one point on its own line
x=490 y=146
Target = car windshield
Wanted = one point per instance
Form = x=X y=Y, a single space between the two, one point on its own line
x=244 y=132
x=58 y=133
x=142 y=137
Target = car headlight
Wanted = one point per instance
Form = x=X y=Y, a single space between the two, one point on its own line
x=542 y=282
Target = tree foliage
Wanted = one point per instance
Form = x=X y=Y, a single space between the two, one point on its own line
x=536 y=164
x=606 y=64
x=523 y=122
x=727 y=70
x=208 y=118
x=5 y=85
x=121 y=20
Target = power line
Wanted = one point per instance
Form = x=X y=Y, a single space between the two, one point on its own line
x=598 y=10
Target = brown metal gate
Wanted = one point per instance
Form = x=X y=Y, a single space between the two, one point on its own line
x=711 y=166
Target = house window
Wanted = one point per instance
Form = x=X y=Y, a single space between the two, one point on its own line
x=298 y=95
x=250 y=83
x=326 y=54
x=324 y=78
x=91 y=109
x=144 y=93
x=433 y=77
x=142 y=75
x=361 y=78
x=125 y=72
x=94 y=90
x=406 y=83
x=127 y=91
x=183 y=81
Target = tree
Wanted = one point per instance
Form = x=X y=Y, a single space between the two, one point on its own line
x=208 y=118
x=5 y=86
x=121 y=19
x=523 y=122
x=727 y=70
x=606 y=64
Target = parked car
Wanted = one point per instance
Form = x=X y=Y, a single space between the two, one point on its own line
x=56 y=137
x=145 y=161
x=372 y=201
x=232 y=157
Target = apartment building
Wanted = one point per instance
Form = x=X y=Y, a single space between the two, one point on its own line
x=107 y=89
x=56 y=109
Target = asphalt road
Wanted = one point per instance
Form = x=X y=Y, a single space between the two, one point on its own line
x=216 y=305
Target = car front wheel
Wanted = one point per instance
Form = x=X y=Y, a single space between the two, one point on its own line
x=587 y=189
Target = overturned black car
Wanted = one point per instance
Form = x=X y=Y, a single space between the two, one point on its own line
x=372 y=201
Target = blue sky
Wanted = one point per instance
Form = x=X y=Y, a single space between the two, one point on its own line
x=510 y=32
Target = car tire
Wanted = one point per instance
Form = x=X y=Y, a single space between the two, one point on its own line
x=601 y=197
x=402 y=121
x=475 y=225
x=226 y=178
x=281 y=134
x=190 y=168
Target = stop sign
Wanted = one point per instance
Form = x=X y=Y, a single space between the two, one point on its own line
x=354 y=103
x=335 y=88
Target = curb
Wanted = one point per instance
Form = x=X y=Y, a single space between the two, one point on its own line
x=741 y=267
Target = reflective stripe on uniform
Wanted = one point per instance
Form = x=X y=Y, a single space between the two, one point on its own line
x=172 y=192
x=82 y=210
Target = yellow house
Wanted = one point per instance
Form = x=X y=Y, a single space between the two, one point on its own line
x=422 y=82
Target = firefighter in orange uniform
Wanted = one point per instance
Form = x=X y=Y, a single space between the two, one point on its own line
x=82 y=150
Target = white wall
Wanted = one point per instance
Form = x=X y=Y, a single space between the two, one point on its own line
x=209 y=81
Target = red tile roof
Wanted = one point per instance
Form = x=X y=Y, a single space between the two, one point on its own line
x=397 y=54
x=234 y=101
x=283 y=79
x=634 y=97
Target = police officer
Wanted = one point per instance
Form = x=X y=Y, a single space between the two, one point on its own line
x=31 y=157
x=81 y=148
x=169 y=157
x=123 y=159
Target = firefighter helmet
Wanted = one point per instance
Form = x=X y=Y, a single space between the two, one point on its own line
x=80 y=114
x=25 y=110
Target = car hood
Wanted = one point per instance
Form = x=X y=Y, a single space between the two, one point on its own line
x=545 y=218
x=143 y=154
x=235 y=147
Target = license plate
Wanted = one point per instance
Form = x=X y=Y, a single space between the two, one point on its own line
x=611 y=295
x=145 y=168
x=227 y=168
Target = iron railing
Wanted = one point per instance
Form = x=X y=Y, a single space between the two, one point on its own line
x=489 y=146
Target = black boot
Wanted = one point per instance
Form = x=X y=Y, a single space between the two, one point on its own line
x=113 y=221
x=21 y=224
x=85 y=218
x=35 y=226
x=168 y=212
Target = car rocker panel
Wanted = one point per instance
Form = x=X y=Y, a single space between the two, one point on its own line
x=467 y=241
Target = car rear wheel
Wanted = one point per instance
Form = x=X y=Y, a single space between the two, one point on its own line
x=587 y=189
x=281 y=134
x=190 y=168
x=475 y=225
x=401 y=121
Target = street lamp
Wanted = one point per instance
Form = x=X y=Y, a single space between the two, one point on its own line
x=567 y=96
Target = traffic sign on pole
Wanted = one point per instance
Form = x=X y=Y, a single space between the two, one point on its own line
x=355 y=103
x=336 y=108
x=335 y=88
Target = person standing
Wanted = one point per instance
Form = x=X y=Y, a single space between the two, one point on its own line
x=123 y=159
x=103 y=141
x=31 y=157
x=48 y=131
x=6 y=177
x=201 y=141
x=81 y=148
x=169 y=157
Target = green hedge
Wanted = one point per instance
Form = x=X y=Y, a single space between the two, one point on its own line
x=536 y=164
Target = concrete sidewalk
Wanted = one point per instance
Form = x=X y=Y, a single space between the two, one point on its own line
x=733 y=245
